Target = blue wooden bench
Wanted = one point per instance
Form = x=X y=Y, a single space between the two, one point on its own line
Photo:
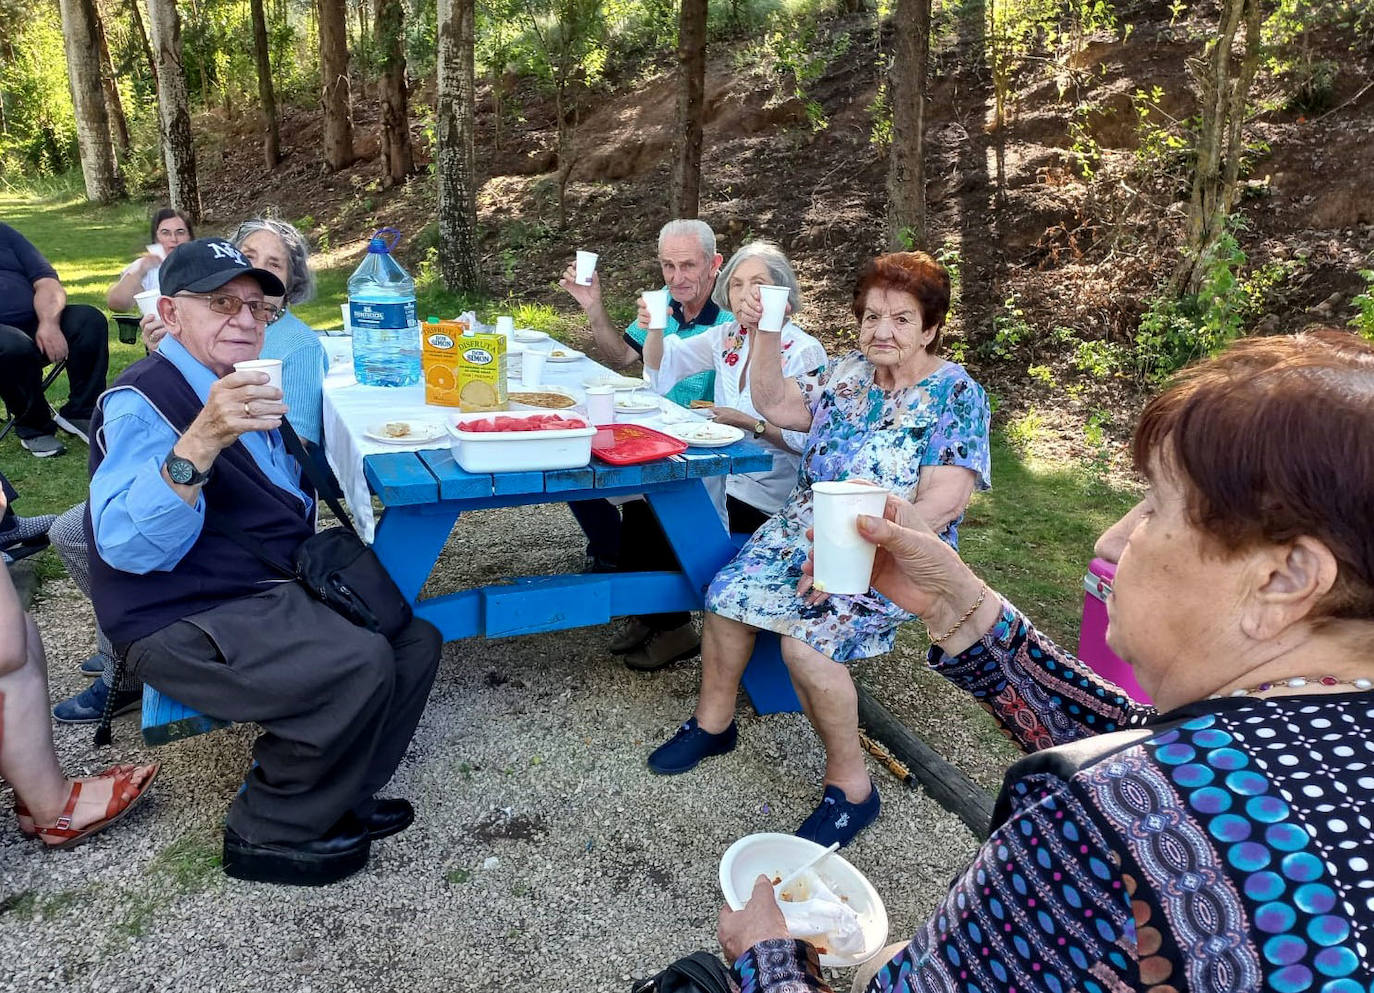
x=425 y=492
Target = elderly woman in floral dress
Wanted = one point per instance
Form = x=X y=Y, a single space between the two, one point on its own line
x=893 y=413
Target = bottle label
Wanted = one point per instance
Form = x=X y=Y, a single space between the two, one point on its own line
x=382 y=316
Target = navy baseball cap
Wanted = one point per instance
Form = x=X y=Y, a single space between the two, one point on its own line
x=207 y=264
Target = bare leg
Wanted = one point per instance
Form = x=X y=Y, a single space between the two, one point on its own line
x=27 y=759
x=726 y=645
x=827 y=694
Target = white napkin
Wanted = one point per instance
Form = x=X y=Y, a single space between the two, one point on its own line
x=822 y=915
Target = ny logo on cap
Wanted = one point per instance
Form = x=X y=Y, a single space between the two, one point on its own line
x=224 y=250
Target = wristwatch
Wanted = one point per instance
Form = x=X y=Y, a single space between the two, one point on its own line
x=760 y=426
x=183 y=472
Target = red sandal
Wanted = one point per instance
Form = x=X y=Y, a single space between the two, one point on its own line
x=123 y=799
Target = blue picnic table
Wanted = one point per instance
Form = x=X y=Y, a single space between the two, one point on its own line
x=424 y=493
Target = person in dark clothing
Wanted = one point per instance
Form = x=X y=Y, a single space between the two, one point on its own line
x=187 y=452
x=38 y=327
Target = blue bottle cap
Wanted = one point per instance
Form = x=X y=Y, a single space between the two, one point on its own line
x=378 y=246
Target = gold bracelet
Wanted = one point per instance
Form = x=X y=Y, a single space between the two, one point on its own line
x=982 y=594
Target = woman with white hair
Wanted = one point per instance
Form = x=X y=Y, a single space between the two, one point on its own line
x=278 y=247
x=751 y=498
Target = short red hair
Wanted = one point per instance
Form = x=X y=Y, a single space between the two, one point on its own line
x=911 y=272
x=1274 y=439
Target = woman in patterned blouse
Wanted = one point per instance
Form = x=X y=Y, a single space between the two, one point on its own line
x=1224 y=841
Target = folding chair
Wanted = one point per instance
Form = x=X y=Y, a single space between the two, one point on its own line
x=47 y=381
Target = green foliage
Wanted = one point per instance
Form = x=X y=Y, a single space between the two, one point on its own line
x=1011 y=331
x=1041 y=374
x=1026 y=431
x=791 y=57
x=38 y=139
x=880 y=111
x=1307 y=79
x=1364 y=305
x=1164 y=146
x=1174 y=331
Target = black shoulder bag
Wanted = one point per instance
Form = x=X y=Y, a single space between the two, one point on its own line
x=700 y=972
x=336 y=566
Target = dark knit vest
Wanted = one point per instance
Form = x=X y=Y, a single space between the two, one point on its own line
x=130 y=606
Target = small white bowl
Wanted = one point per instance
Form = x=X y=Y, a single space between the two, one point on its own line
x=776 y=855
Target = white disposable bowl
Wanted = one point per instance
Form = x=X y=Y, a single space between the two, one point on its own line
x=519 y=451
x=775 y=855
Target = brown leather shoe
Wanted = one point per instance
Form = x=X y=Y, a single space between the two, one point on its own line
x=633 y=635
x=664 y=648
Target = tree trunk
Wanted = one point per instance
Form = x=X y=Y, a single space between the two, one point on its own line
x=80 y=32
x=113 y=104
x=906 y=179
x=143 y=41
x=455 y=154
x=691 y=106
x=1225 y=92
x=388 y=28
x=271 y=134
x=338 y=117
x=173 y=107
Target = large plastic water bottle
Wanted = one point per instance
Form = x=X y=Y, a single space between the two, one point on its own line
x=381 y=311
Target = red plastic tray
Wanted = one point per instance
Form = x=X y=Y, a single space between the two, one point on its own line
x=631 y=444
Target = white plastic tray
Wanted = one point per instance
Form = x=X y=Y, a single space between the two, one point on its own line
x=518 y=451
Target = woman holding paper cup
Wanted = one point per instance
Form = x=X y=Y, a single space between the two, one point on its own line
x=894 y=415
x=1221 y=839
x=749 y=499
x=169 y=229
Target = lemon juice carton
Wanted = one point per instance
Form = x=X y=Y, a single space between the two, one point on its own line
x=482 y=372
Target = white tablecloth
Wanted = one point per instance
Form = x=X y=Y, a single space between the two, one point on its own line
x=350 y=409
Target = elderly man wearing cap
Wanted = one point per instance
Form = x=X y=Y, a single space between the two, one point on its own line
x=185 y=449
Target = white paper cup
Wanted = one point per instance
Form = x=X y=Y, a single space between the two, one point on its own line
x=532 y=368
x=147 y=301
x=505 y=325
x=158 y=250
x=601 y=404
x=343 y=309
x=774 y=300
x=657 y=303
x=843 y=561
x=586 y=265
x=270 y=366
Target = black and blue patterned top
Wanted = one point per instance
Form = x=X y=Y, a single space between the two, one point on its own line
x=1227 y=845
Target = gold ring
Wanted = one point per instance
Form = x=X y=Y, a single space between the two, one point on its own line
x=246 y=411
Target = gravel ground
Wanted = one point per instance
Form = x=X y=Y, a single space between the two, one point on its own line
x=544 y=856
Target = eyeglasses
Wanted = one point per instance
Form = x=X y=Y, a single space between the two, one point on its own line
x=229 y=305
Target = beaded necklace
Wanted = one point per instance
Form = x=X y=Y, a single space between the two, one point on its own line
x=1297 y=682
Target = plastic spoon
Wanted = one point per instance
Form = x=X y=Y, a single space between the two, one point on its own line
x=810 y=863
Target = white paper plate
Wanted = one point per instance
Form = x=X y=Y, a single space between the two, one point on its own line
x=777 y=855
x=704 y=434
x=528 y=335
x=420 y=431
x=635 y=403
x=617 y=383
x=566 y=354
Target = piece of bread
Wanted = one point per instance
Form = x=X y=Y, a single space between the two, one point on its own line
x=702 y=405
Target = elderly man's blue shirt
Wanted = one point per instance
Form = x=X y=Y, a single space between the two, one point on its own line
x=139 y=521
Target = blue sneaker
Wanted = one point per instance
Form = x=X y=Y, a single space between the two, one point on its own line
x=87 y=706
x=836 y=819
x=685 y=749
x=94 y=665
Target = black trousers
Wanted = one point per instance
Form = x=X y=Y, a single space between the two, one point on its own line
x=338 y=704
x=21 y=369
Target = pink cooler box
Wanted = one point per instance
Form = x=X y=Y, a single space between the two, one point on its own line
x=1092 y=636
